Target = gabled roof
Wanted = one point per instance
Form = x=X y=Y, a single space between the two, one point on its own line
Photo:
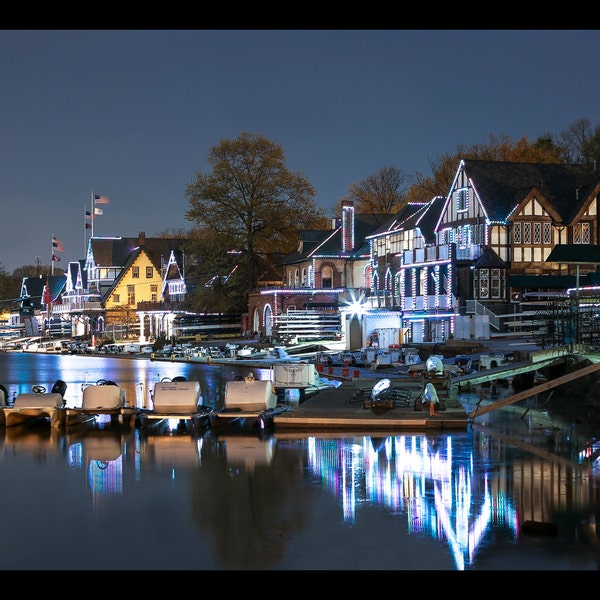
x=489 y=259
x=421 y=215
x=318 y=243
x=131 y=259
x=501 y=186
x=115 y=252
x=404 y=219
x=75 y=270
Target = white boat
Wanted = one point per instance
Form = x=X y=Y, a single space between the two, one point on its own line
x=102 y=403
x=175 y=403
x=36 y=407
x=46 y=347
x=249 y=400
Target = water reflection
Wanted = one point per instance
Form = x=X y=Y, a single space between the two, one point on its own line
x=496 y=496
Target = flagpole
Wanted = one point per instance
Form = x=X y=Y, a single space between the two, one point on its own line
x=92 y=213
x=52 y=253
x=84 y=232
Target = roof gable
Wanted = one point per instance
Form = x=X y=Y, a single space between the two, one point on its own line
x=501 y=186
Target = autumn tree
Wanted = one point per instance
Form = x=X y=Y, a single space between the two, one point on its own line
x=503 y=148
x=252 y=201
x=381 y=193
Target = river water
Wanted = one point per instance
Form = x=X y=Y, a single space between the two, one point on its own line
x=519 y=489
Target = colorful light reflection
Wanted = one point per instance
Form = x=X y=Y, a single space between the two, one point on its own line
x=418 y=480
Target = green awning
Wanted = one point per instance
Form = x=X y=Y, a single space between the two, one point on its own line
x=544 y=282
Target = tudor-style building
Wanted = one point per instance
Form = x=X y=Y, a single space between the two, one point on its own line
x=491 y=240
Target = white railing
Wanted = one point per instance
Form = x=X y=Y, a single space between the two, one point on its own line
x=476 y=308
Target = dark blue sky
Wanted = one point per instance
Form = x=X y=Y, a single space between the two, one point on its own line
x=132 y=114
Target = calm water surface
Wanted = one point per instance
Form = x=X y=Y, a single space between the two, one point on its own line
x=518 y=490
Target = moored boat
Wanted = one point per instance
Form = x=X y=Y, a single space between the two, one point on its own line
x=176 y=405
x=102 y=404
x=36 y=406
x=249 y=402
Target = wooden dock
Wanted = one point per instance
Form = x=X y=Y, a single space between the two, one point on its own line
x=335 y=409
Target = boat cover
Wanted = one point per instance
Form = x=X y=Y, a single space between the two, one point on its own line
x=176 y=397
x=38 y=401
x=250 y=395
x=102 y=397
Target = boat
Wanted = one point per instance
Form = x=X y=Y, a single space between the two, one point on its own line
x=103 y=403
x=35 y=407
x=249 y=402
x=47 y=347
x=176 y=404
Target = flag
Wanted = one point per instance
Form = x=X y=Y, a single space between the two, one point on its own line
x=55 y=258
x=100 y=199
x=88 y=225
x=57 y=245
x=88 y=214
x=46 y=293
x=98 y=211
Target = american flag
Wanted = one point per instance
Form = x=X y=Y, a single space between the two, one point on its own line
x=57 y=245
x=100 y=199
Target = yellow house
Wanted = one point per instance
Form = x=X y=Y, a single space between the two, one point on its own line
x=138 y=281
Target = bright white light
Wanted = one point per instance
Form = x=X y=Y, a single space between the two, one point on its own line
x=354 y=306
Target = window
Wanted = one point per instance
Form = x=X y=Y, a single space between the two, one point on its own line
x=149 y=272
x=116 y=298
x=496 y=283
x=462 y=200
x=130 y=294
x=154 y=292
x=537 y=233
x=517 y=233
x=484 y=283
x=547 y=234
x=327 y=277
x=135 y=272
x=581 y=233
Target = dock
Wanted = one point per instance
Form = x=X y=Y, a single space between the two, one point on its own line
x=334 y=410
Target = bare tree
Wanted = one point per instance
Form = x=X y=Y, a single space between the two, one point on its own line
x=380 y=193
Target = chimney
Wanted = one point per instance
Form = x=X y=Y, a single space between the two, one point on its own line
x=347 y=225
x=141 y=238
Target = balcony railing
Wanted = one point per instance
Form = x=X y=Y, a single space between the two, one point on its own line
x=76 y=307
x=434 y=303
